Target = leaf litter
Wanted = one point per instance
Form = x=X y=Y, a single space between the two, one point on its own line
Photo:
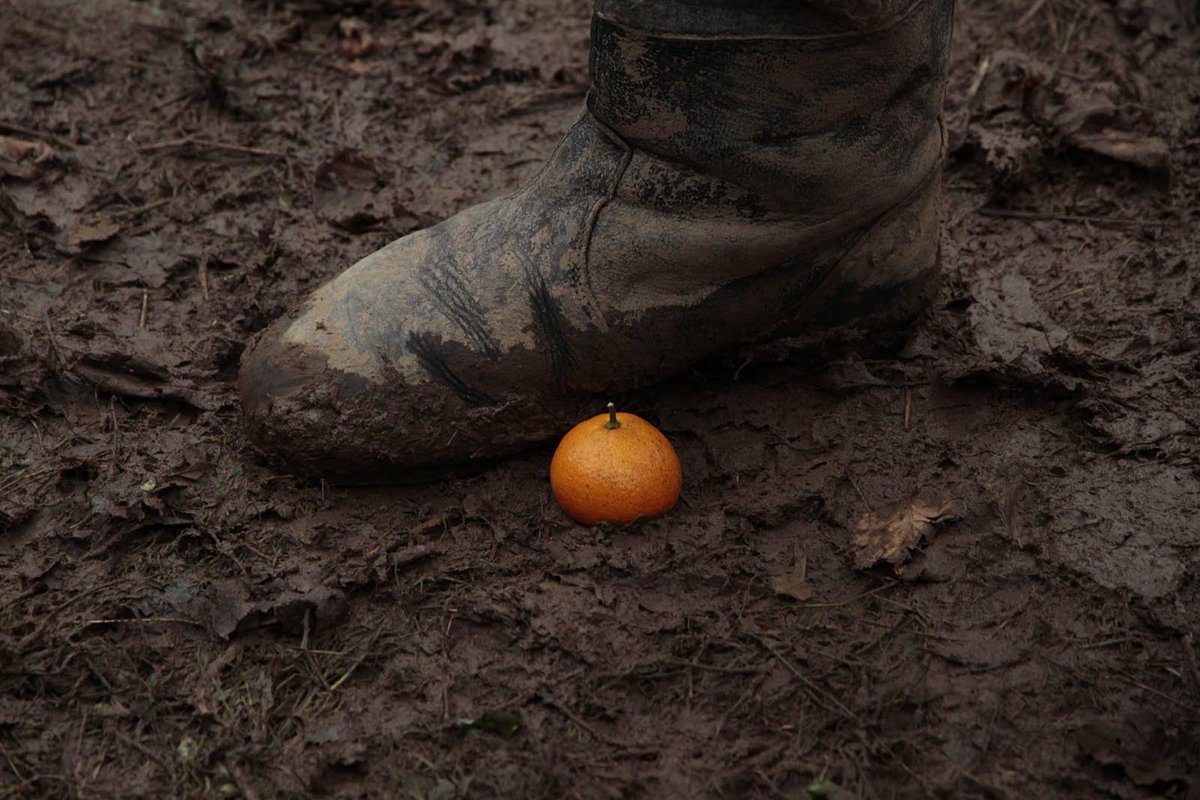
x=891 y=536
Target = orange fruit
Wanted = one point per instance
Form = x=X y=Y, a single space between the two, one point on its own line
x=615 y=468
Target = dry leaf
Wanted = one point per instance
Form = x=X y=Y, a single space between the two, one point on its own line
x=82 y=236
x=1147 y=152
x=892 y=536
x=12 y=149
x=793 y=585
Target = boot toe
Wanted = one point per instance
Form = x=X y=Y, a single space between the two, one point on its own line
x=288 y=397
x=309 y=417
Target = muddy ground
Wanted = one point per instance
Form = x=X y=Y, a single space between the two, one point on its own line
x=178 y=620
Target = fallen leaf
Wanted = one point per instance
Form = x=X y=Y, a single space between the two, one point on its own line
x=892 y=536
x=1022 y=108
x=847 y=376
x=1147 y=152
x=82 y=236
x=792 y=586
x=1010 y=328
x=21 y=159
x=347 y=193
x=12 y=149
x=223 y=606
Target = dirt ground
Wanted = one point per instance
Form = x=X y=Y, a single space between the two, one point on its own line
x=178 y=620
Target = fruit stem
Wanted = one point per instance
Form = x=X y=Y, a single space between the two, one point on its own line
x=613 y=423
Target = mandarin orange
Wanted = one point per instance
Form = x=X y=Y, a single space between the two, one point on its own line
x=615 y=467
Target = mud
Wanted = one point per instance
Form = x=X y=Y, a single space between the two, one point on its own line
x=177 y=619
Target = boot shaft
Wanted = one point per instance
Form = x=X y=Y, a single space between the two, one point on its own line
x=809 y=104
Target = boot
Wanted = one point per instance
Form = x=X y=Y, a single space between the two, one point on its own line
x=742 y=170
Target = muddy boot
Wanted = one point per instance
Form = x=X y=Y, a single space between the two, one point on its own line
x=743 y=169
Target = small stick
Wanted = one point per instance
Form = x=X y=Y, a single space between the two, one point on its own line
x=1028 y=15
x=980 y=75
x=714 y=667
x=1154 y=691
x=1010 y=213
x=145 y=308
x=141 y=621
x=8 y=126
x=1110 y=643
x=366 y=651
x=1189 y=653
x=204 y=279
x=56 y=358
x=599 y=736
x=116 y=438
x=854 y=483
x=135 y=211
x=907 y=408
x=822 y=698
x=204 y=143
x=52 y=615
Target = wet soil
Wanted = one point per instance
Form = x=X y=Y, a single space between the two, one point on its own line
x=178 y=620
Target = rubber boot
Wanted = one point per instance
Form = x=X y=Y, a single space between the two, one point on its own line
x=741 y=171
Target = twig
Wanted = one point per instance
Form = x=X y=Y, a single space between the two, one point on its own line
x=1070 y=34
x=13 y=767
x=53 y=613
x=27 y=474
x=145 y=308
x=141 y=620
x=750 y=688
x=713 y=667
x=204 y=143
x=854 y=483
x=8 y=126
x=136 y=211
x=1030 y=14
x=553 y=702
x=1053 y=20
x=56 y=359
x=1107 y=643
x=1071 y=293
x=839 y=604
x=116 y=438
x=907 y=408
x=141 y=748
x=924 y=632
x=819 y=694
x=1156 y=692
x=1012 y=213
x=366 y=650
x=204 y=279
x=840 y=707
x=980 y=74
x=1189 y=652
